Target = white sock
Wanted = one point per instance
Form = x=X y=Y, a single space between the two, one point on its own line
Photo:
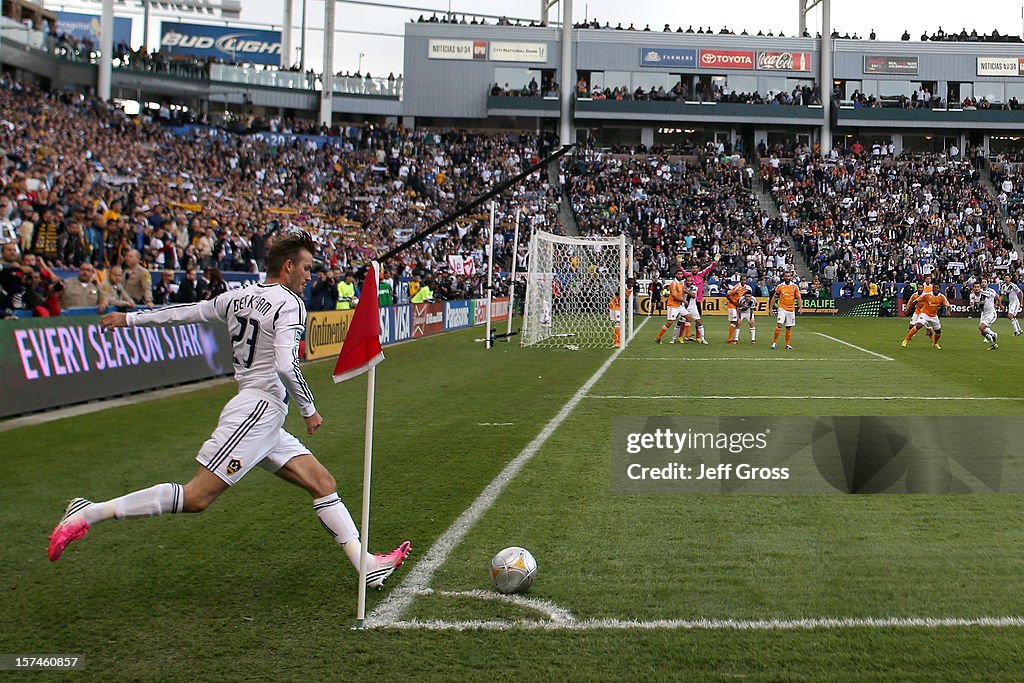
x=995 y=335
x=335 y=518
x=156 y=500
x=753 y=334
x=1016 y=325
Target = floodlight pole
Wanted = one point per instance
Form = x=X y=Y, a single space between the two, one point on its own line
x=103 y=75
x=566 y=128
x=145 y=25
x=327 y=79
x=826 y=77
x=286 y=33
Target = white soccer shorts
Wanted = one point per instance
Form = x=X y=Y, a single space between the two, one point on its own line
x=930 y=321
x=693 y=309
x=615 y=316
x=1013 y=308
x=734 y=315
x=988 y=319
x=915 y=319
x=676 y=312
x=747 y=315
x=249 y=433
x=786 y=318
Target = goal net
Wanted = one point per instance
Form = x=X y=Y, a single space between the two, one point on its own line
x=573 y=289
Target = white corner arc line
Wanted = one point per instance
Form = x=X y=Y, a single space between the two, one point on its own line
x=418 y=579
x=826 y=623
x=853 y=346
x=557 y=615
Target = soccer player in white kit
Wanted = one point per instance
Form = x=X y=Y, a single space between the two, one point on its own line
x=1011 y=290
x=984 y=298
x=266 y=322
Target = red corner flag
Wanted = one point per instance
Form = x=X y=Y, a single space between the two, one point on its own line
x=361 y=350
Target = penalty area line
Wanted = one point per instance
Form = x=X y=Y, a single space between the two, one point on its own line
x=853 y=346
x=826 y=623
x=807 y=398
x=752 y=359
x=418 y=579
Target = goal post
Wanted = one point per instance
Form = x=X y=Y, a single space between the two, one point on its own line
x=576 y=292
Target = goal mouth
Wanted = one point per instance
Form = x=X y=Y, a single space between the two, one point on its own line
x=576 y=289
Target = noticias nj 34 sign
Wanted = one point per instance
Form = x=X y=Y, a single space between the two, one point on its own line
x=228 y=43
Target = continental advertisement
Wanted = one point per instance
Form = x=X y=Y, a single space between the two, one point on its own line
x=53 y=362
x=325 y=333
x=326 y=330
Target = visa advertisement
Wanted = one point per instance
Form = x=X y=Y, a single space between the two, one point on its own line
x=225 y=43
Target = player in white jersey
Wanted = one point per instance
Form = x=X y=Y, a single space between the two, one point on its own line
x=1011 y=290
x=266 y=322
x=983 y=298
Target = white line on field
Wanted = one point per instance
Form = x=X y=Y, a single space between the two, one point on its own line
x=814 y=398
x=557 y=615
x=825 y=623
x=416 y=581
x=853 y=346
x=494 y=424
x=754 y=359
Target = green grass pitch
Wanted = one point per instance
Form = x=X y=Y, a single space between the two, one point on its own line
x=254 y=589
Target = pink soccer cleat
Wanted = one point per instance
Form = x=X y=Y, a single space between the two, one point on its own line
x=71 y=527
x=386 y=565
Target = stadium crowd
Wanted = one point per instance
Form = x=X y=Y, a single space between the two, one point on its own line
x=85 y=187
x=82 y=182
x=864 y=218
x=681 y=213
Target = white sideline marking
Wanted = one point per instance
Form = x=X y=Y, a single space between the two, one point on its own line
x=416 y=581
x=494 y=424
x=814 y=398
x=825 y=623
x=756 y=359
x=853 y=346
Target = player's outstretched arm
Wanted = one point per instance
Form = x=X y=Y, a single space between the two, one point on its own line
x=203 y=311
x=112 y=320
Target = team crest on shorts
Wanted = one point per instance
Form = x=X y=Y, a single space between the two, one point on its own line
x=234 y=465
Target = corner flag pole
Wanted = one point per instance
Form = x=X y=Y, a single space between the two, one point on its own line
x=361 y=353
x=512 y=280
x=364 y=532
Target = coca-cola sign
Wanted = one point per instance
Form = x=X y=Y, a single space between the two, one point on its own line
x=784 y=61
x=726 y=59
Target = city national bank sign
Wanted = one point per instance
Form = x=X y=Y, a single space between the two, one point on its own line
x=482 y=50
x=228 y=43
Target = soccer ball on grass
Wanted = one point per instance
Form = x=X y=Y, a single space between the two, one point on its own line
x=513 y=570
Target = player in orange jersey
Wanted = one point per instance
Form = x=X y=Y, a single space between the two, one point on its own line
x=679 y=295
x=928 y=306
x=790 y=302
x=615 y=312
x=912 y=309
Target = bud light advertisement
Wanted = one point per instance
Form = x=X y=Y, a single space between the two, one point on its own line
x=223 y=43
